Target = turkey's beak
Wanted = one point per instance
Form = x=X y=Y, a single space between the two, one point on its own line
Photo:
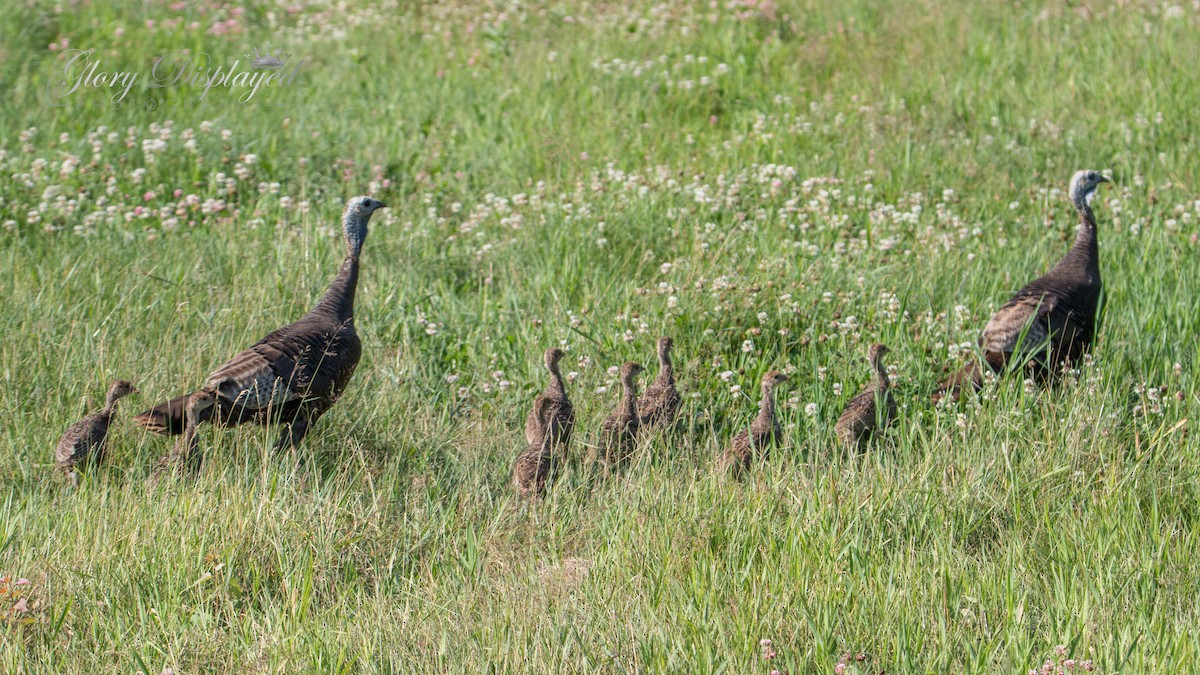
x=382 y=205
x=1104 y=179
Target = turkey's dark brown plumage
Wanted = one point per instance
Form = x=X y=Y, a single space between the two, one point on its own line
x=763 y=432
x=618 y=433
x=533 y=467
x=88 y=437
x=294 y=374
x=1052 y=320
x=659 y=404
x=557 y=419
x=185 y=453
x=863 y=416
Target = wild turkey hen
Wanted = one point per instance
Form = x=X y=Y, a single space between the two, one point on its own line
x=557 y=417
x=660 y=402
x=860 y=420
x=764 y=429
x=1052 y=320
x=295 y=374
x=87 y=437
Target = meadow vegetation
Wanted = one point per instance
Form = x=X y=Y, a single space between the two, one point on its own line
x=775 y=185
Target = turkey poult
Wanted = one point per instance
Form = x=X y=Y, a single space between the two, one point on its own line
x=1052 y=320
x=660 y=403
x=295 y=374
x=763 y=432
x=86 y=438
x=555 y=420
x=618 y=433
x=184 y=453
x=532 y=469
x=861 y=419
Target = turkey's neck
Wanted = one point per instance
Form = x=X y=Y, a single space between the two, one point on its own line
x=110 y=405
x=540 y=413
x=629 y=398
x=539 y=429
x=881 y=375
x=666 y=373
x=1085 y=246
x=190 y=429
x=338 y=301
x=556 y=381
x=766 y=409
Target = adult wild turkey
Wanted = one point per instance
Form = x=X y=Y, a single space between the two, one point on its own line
x=556 y=420
x=618 y=432
x=1052 y=320
x=860 y=420
x=661 y=401
x=764 y=429
x=87 y=437
x=295 y=374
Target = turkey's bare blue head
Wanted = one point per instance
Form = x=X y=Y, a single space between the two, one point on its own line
x=354 y=220
x=1083 y=186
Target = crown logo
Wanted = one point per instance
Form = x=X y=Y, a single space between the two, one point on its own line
x=266 y=59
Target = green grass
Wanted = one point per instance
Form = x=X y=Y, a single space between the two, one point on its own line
x=905 y=166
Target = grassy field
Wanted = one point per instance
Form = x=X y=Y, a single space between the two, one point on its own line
x=775 y=185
